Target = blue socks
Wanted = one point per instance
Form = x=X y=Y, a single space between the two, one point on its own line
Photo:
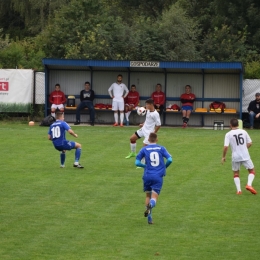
x=62 y=158
x=152 y=203
x=77 y=154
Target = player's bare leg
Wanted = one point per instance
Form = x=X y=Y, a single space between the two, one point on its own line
x=147 y=203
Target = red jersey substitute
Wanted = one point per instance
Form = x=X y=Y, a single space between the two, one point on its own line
x=132 y=98
x=187 y=99
x=158 y=97
x=57 y=97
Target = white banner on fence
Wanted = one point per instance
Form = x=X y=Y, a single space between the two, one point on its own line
x=16 y=86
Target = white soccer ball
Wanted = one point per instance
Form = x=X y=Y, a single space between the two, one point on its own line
x=141 y=111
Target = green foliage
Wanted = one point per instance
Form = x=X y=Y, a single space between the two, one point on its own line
x=97 y=212
x=4 y=41
x=252 y=70
x=222 y=45
x=107 y=36
x=21 y=54
x=179 y=34
x=73 y=27
x=32 y=16
x=192 y=30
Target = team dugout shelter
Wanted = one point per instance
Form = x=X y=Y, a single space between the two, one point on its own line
x=210 y=81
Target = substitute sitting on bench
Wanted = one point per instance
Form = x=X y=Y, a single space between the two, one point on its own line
x=87 y=96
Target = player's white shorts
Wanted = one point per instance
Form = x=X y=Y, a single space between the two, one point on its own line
x=118 y=106
x=141 y=133
x=247 y=164
x=61 y=106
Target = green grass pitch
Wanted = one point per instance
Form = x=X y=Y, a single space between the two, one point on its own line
x=97 y=212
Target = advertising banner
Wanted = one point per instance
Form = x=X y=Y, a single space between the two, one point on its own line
x=16 y=90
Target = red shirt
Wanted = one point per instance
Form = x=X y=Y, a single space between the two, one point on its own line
x=187 y=99
x=158 y=97
x=132 y=98
x=57 y=97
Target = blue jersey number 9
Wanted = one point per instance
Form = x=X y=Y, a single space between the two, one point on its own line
x=154 y=157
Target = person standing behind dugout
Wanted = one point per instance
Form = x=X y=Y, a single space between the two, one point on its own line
x=159 y=98
x=187 y=100
x=118 y=91
x=254 y=110
x=87 y=96
x=57 y=100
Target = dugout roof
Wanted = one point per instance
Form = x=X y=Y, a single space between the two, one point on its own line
x=150 y=66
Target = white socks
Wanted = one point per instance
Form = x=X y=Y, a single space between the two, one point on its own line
x=237 y=183
x=116 y=117
x=133 y=147
x=251 y=177
x=127 y=115
x=121 y=118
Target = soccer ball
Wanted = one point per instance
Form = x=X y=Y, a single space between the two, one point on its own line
x=141 y=111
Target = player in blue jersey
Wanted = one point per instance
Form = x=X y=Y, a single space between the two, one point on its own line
x=57 y=134
x=154 y=171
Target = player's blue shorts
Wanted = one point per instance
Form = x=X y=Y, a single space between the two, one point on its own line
x=68 y=145
x=153 y=182
x=187 y=108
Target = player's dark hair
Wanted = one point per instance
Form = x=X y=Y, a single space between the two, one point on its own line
x=234 y=122
x=57 y=85
x=87 y=82
x=149 y=101
x=58 y=114
x=133 y=85
x=159 y=84
x=188 y=86
x=152 y=137
x=119 y=75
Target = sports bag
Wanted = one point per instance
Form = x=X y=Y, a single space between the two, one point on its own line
x=47 y=121
x=217 y=106
x=175 y=107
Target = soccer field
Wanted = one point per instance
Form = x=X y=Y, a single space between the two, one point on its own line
x=48 y=212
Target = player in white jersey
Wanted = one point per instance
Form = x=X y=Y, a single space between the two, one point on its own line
x=239 y=141
x=118 y=91
x=151 y=125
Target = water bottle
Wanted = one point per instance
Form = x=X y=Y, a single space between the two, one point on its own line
x=215 y=127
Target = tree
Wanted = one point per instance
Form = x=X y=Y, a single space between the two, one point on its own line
x=4 y=41
x=237 y=19
x=179 y=34
x=21 y=54
x=28 y=17
x=221 y=44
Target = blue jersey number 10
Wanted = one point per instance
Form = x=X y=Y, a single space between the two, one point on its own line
x=55 y=131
